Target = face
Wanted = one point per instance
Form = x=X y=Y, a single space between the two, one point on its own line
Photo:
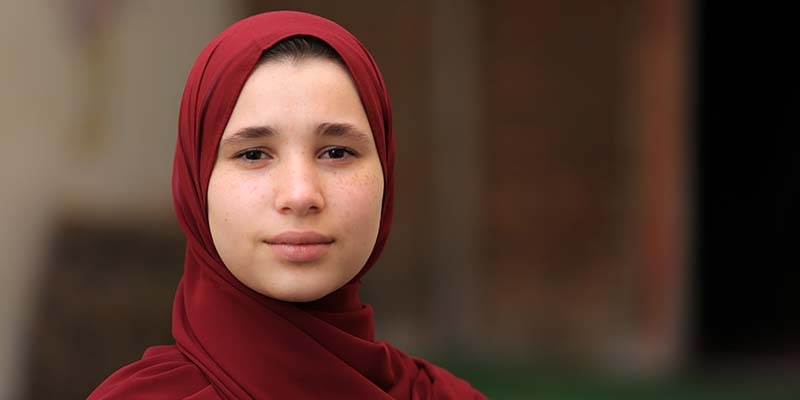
x=294 y=200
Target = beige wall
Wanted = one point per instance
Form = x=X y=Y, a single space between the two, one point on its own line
x=88 y=130
x=37 y=83
x=131 y=74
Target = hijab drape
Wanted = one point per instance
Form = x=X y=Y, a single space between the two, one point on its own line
x=232 y=342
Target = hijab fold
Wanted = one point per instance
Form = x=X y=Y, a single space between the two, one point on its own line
x=232 y=342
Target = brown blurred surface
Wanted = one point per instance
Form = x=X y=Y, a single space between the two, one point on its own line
x=106 y=297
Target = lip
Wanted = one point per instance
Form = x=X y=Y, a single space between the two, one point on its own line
x=299 y=238
x=300 y=247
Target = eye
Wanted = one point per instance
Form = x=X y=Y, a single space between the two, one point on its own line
x=252 y=155
x=337 y=153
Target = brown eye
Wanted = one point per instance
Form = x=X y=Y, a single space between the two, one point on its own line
x=337 y=153
x=253 y=155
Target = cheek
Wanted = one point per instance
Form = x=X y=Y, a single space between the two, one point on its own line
x=218 y=211
x=362 y=197
x=231 y=201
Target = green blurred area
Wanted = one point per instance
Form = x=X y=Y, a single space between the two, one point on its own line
x=517 y=382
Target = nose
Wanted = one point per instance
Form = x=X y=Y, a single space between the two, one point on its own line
x=299 y=190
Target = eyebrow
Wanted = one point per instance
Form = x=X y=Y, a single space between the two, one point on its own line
x=342 y=130
x=331 y=129
x=247 y=134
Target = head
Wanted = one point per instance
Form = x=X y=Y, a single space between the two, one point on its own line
x=284 y=163
x=295 y=194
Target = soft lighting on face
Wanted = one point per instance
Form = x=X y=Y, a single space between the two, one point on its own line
x=295 y=194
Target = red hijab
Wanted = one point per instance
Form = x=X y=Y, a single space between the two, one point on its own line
x=232 y=342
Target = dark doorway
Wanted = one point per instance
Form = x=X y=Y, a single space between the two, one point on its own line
x=745 y=269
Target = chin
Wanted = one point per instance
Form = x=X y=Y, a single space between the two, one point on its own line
x=303 y=298
x=297 y=295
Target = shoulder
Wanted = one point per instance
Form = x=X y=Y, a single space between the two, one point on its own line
x=162 y=373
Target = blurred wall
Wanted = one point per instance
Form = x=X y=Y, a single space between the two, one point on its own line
x=585 y=171
x=37 y=79
x=90 y=98
x=134 y=57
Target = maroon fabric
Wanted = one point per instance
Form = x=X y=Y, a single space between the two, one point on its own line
x=231 y=342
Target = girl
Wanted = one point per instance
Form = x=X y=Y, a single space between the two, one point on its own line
x=283 y=185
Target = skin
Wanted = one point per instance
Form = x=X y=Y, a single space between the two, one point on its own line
x=297 y=156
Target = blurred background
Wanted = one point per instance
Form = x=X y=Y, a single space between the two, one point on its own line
x=562 y=212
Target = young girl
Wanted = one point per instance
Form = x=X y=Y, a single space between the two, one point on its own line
x=283 y=185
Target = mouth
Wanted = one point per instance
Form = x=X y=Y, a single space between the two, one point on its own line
x=300 y=247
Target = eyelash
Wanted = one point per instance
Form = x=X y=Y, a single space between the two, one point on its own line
x=346 y=150
x=243 y=154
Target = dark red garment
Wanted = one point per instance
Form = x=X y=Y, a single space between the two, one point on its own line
x=232 y=342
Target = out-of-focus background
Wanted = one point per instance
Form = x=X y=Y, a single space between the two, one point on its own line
x=557 y=214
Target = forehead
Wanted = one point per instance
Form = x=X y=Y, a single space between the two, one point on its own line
x=287 y=95
x=298 y=73
x=309 y=85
